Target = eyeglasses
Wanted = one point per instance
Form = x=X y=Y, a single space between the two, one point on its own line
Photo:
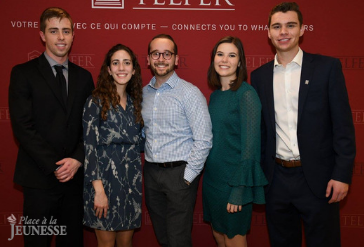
x=156 y=55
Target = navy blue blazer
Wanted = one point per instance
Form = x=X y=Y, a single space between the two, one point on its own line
x=46 y=129
x=325 y=130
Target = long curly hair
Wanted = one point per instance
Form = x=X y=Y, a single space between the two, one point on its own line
x=105 y=92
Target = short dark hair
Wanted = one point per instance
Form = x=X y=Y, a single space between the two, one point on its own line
x=51 y=13
x=284 y=7
x=241 y=72
x=164 y=36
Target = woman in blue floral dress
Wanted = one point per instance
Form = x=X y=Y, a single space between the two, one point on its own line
x=112 y=125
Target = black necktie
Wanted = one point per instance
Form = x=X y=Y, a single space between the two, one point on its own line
x=62 y=82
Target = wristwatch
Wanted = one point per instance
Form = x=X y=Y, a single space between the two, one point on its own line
x=187 y=182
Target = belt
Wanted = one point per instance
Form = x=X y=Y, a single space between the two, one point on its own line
x=168 y=164
x=288 y=163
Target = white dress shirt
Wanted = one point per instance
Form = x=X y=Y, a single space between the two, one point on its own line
x=286 y=84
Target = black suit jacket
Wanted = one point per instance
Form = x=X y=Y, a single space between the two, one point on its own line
x=325 y=129
x=46 y=129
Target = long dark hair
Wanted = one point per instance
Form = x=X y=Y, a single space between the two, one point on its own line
x=106 y=92
x=213 y=77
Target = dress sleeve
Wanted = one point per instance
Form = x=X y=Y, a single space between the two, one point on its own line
x=91 y=123
x=248 y=180
x=141 y=140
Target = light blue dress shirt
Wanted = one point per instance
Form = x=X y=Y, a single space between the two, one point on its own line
x=177 y=124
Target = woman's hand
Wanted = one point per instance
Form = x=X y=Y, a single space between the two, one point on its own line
x=101 y=203
x=233 y=208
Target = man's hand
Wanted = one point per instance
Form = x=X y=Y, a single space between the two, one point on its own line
x=339 y=190
x=67 y=170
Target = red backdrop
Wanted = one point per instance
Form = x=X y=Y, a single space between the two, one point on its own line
x=333 y=28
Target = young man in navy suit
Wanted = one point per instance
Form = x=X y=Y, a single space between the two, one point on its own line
x=308 y=139
x=46 y=98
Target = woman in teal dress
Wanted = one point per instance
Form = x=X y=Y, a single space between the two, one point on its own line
x=233 y=179
x=112 y=125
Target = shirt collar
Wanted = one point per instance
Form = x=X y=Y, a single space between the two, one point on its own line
x=53 y=63
x=171 y=82
x=297 y=59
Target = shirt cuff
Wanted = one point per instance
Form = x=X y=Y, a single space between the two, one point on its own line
x=190 y=174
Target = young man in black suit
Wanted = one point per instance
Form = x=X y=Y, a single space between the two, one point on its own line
x=308 y=139
x=46 y=98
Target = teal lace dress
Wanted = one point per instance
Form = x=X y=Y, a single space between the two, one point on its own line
x=232 y=172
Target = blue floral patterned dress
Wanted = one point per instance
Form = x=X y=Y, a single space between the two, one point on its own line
x=112 y=154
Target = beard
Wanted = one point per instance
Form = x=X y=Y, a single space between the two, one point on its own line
x=168 y=69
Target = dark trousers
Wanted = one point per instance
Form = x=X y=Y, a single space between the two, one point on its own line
x=170 y=202
x=291 y=204
x=61 y=205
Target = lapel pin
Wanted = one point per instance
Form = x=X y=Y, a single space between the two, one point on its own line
x=306 y=82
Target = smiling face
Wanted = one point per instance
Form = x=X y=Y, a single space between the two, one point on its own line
x=58 y=38
x=226 y=61
x=121 y=68
x=285 y=32
x=162 y=67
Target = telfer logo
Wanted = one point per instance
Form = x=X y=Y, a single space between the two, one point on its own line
x=4 y=114
x=33 y=54
x=358 y=116
x=258 y=219
x=352 y=63
x=82 y=60
x=255 y=61
x=107 y=4
x=182 y=64
x=352 y=220
x=358 y=168
x=167 y=4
